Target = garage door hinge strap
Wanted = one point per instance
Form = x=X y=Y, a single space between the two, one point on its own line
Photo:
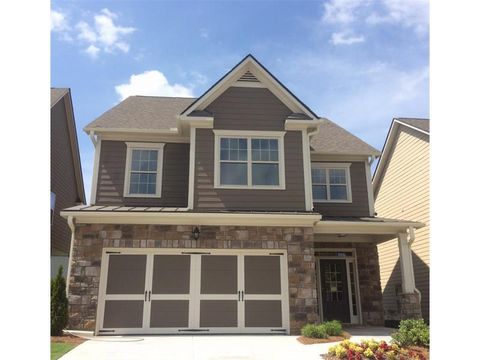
x=194 y=330
x=278 y=329
x=106 y=331
x=113 y=252
x=275 y=254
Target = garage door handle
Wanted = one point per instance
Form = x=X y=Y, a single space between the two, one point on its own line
x=238 y=295
x=145 y=295
x=149 y=294
x=242 y=295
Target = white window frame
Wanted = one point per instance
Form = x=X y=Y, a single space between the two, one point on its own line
x=327 y=167
x=128 y=164
x=249 y=135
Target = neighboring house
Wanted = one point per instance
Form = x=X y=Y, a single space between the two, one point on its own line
x=402 y=190
x=66 y=181
x=240 y=211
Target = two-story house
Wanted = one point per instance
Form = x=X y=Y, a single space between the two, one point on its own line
x=66 y=181
x=240 y=211
x=401 y=188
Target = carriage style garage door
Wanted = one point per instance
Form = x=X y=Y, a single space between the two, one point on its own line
x=178 y=291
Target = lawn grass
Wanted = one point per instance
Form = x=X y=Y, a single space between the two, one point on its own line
x=58 y=349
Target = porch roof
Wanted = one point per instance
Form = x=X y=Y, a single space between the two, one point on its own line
x=378 y=229
x=184 y=216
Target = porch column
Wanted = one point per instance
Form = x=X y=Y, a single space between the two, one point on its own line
x=406 y=264
x=410 y=298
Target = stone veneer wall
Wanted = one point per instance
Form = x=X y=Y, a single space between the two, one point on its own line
x=91 y=238
x=369 y=279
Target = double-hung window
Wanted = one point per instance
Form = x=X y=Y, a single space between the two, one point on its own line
x=251 y=160
x=143 y=170
x=331 y=182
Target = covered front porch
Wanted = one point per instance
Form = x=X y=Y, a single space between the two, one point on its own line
x=348 y=273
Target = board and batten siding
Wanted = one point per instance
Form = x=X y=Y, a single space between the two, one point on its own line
x=404 y=194
x=359 y=205
x=256 y=109
x=111 y=176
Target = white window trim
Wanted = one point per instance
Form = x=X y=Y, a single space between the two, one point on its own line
x=249 y=135
x=143 y=146
x=327 y=166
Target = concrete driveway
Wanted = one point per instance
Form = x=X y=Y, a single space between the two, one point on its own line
x=210 y=347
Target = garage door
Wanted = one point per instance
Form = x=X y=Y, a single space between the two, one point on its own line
x=184 y=292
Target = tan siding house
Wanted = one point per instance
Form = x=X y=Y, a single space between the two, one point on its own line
x=401 y=188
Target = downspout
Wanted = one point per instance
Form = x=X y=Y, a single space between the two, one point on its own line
x=71 y=225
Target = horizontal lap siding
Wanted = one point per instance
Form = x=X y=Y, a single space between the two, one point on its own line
x=249 y=109
x=208 y=198
x=111 y=176
x=254 y=109
x=359 y=204
x=404 y=194
x=62 y=175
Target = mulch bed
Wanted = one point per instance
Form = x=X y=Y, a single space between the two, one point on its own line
x=68 y=339
x=309 y=341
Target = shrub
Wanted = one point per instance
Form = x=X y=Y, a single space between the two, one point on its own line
x=412 y=332
x=333 y=328
x=315 y=331
x=58 y=304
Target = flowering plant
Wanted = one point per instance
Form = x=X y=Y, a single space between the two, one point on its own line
x=371 y=349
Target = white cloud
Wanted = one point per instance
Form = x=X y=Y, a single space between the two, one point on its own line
x=104 y=34
x=59 y=25
x=342 y=11
x=409 y=13
x=93 y=51
x=152 y=83
x=86 y=32
x=58 y=21
x=346 y=38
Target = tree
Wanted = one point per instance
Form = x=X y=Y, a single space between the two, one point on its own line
x=58 y=304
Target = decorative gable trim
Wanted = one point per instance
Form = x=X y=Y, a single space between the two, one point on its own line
x=256 y=71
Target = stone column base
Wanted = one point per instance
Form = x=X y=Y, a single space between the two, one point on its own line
x=410 y=306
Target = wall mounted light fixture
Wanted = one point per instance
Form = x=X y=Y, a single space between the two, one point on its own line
x=196 y=233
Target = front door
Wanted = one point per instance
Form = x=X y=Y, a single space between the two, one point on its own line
x=335 y=298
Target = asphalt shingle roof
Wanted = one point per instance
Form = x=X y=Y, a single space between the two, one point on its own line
x=56 y=94
x=142 y=112
x=422 y=124
x=159 y=113
x=333 y=139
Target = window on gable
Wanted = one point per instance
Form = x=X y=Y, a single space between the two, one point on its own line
x=250 y=161
x=331 y=182
x=143 y=173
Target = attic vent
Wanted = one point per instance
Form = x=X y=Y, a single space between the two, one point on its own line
x=248 y=77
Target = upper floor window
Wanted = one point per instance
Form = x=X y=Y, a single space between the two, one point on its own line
x=249 y=159
x=143 y=170
x=331 y=182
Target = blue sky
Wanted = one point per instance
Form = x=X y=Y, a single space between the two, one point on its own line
x=357 y=62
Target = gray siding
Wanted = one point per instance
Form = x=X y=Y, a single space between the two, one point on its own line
x=111 y=176
x=241 y=108
x=359 y=204
x=248 y=109
x=207 y=198
x=62 y=179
